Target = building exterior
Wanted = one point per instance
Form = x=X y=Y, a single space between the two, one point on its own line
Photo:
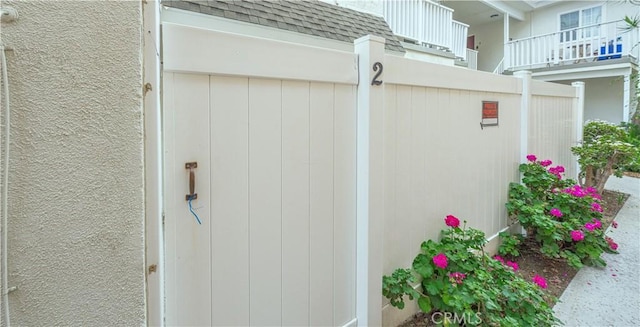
x=76 y=207
x=559 y=41
x=88 y=186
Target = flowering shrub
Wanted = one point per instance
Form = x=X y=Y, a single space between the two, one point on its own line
x=457 y=277
x=604 y=152
x=561 y=216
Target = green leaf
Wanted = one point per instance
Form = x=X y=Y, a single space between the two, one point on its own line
x=425 y=304
x=422 y=266
x=432 y=289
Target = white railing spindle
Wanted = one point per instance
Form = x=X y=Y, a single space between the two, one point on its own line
x=594 y=42
x=423 y=21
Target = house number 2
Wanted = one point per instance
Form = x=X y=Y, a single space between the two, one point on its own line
x=377 y=67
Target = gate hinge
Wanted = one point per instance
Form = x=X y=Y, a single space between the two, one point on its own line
x=147 y=88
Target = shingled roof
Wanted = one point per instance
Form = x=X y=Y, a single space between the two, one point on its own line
x=310 y=17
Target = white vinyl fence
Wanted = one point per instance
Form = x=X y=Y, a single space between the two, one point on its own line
x=317 y=174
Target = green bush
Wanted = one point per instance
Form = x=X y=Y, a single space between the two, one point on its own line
x=633 y=138
x=604 y=151
x=562 y=217
x=458 y=278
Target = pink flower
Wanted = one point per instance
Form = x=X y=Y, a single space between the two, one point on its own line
x=452 y=221
x=593 y=192
x=576 y=191
x=614 y=224
x=555 y=212
x=440 y=261
x=513 y=265
x=596 y=207
x=613 y=245
x=545 y=163
x=498 y=258
x=588 y=226
x=540 y=281
x=557 y=170
x=577 y=235
x=532 y=158
x=457 y=277
x=597 y=223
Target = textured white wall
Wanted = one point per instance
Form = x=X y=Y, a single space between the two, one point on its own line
x=603 y=98
x=547 y=19
x=489 y=43
x=76 y=209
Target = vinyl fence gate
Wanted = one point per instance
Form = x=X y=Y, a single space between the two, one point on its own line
x=313 y=179
x=272 y=128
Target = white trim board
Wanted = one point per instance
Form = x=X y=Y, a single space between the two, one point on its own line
x=153 y=182
x=188 y=49
x=584 y=73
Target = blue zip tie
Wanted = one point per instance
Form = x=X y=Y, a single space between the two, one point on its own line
x=194 y=213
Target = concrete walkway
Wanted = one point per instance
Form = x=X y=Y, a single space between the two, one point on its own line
x=610 y=296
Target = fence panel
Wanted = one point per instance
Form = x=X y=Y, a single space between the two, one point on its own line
x=276 y=182
x=279 y=149
x=439 y=161
x=552 y=124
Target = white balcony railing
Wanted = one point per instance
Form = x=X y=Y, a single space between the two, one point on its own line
x=427 y=23
x=472 y=59
x=458 y=44
x=590 y=43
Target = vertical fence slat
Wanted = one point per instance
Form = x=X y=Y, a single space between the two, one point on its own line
x=295 y=203
x=321 y=204
x=230 y=194
x=265 y=210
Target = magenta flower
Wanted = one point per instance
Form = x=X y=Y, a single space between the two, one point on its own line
x=557 y=170
x=513 y=265
x=597 y=223
x=593 y=192
x=588 y=226
x=596 y=207
x=540 y=281
x=555 y=212
x=498 y=258
x=576 y=191
x=614 y=224
x=545 y=163
x=452 y=221
x=577 y=235
x=532 y=158
x=440 y=261
x=457 y=277
x=613 y=245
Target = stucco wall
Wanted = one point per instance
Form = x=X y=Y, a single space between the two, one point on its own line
x=547 y=19
x=603 y=98
x=76 y=209
x=489 y=39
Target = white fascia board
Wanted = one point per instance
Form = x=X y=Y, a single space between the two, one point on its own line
x=505 y=8
x=584 y=73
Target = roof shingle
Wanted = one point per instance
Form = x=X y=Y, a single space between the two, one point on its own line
x=310 y=17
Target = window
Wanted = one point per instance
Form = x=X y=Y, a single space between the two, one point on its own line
x=570 y=22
